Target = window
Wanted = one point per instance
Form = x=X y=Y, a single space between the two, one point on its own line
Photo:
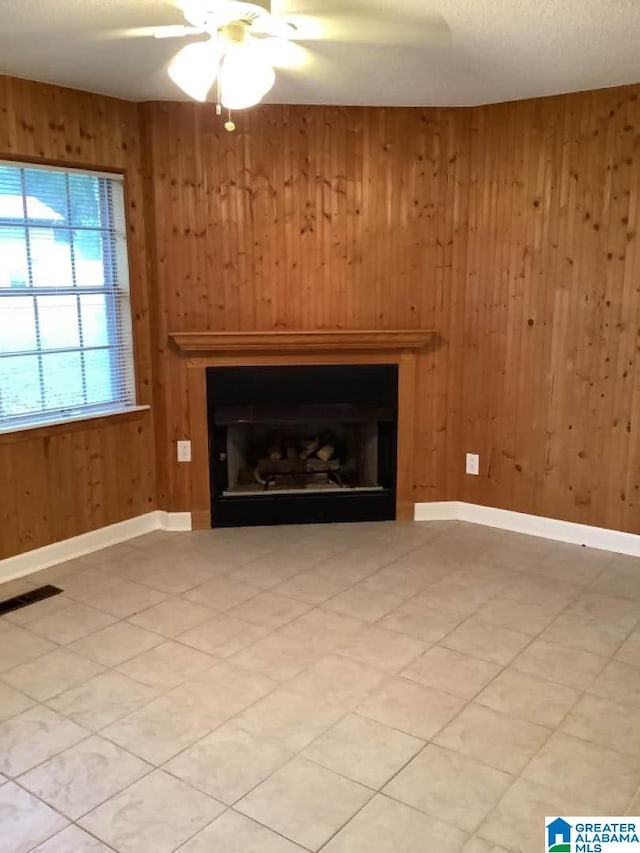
x=65 y=320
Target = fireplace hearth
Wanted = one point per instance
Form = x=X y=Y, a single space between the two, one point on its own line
x=300 y=444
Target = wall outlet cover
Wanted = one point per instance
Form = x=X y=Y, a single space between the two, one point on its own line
x=473 y=463
x=184 y=451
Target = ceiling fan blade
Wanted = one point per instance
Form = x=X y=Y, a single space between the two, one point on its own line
x=273 y=27
x=381 y=29
x=176 y=31
x=281 y=53
x=195 y=68
x=160 y=32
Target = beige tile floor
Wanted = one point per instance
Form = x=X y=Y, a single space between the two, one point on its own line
x=389 y=688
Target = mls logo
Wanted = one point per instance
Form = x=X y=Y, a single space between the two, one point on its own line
x=558 y=836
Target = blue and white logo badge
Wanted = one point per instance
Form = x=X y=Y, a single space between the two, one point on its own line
x=614 y=834
x=558 y=836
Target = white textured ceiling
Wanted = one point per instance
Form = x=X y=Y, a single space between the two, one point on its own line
x=496 y=50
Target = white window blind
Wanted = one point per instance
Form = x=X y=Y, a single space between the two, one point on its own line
x=65 y=319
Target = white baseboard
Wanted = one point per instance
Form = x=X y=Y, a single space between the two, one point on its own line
x=518 y=522
x=533 y=525
x=85 y=543
x=176 y=522
x=437 y=511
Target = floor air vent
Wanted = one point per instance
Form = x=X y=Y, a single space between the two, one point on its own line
x=27 y=598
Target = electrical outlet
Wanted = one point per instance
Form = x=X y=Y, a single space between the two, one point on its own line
x=473 y=463
x=184 y=451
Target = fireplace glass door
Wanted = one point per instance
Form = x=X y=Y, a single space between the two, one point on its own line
x=288 y=445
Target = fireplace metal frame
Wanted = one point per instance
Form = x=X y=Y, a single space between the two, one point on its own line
x=361 y=387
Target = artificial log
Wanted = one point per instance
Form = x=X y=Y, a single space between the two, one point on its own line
x=309 y=446
x=326 y=452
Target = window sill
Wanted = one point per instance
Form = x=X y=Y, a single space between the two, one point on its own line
x=71 y=424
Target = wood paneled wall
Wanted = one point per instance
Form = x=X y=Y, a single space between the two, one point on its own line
x=310 y=218
x=65 y=480
x=510 y=229
x=552 y=308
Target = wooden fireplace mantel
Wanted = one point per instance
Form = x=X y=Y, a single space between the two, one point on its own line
x=200 y=350
x=330 y=340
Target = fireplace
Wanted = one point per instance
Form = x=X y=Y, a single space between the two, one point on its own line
x=300 y=444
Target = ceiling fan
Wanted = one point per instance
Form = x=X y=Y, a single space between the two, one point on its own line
x=245 y=40
x=236 y=54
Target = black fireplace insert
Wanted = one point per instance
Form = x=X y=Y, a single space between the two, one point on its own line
x=302 y=444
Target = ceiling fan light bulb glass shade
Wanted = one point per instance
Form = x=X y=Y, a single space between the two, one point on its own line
x=194 y=69
x=245 y=77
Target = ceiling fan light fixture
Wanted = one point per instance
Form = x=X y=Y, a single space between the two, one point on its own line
x=195 y=68
x=245 y=77
x=192 y=86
